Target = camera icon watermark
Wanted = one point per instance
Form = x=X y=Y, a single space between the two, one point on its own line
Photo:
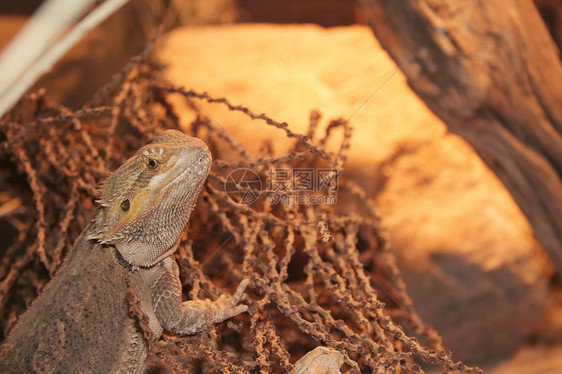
x=304 y=186
x=243 y=186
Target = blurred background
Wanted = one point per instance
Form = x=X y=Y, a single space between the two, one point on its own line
x=473 y=266
x=122 y=36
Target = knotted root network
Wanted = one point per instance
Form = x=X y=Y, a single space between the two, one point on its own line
x=321 y=274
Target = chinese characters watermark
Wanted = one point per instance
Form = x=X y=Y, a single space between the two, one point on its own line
x=284 y=186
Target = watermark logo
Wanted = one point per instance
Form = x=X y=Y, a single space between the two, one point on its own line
x=243 y=186
x=284 y=186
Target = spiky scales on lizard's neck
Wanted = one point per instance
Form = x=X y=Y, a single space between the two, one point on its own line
x=146 y=203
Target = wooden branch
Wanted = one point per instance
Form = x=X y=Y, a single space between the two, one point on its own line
x=490 y=70
x=31 y=53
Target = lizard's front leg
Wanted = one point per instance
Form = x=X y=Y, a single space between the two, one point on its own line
x=187 y=317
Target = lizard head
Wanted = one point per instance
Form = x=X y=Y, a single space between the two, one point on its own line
x=146 y=202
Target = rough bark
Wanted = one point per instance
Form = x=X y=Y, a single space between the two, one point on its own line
x=490 y=70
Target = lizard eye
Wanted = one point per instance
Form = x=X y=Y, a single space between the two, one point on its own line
x=152 y=164
x=125 y=205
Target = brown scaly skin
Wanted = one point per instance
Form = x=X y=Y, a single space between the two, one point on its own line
x=80 y=323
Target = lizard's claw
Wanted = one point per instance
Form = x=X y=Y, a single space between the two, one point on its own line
x=239 y=292
x=228 y=305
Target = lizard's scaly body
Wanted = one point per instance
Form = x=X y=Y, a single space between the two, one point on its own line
x=80 y=323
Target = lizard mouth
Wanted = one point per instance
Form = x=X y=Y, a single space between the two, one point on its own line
x=199 y=169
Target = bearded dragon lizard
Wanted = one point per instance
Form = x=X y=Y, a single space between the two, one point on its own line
x=80 y=322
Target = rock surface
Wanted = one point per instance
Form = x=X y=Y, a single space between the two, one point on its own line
x=469 y=257
x=531 y=360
